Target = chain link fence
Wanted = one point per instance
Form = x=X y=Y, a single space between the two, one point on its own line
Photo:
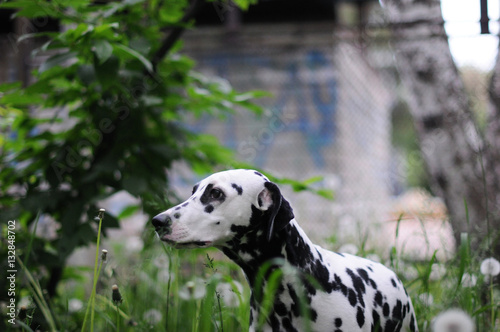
x=328 y=114
x=332 y=89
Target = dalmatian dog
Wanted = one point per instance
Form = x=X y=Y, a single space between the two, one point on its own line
x=243 y=214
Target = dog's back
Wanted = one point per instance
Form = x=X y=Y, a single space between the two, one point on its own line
x=341 y=292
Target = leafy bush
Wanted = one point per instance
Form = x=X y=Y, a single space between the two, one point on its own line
x=105 y=113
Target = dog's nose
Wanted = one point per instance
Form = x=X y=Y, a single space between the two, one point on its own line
x=161 y=220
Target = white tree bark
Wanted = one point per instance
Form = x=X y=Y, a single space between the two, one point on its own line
x=459 y=161
x=493 y=135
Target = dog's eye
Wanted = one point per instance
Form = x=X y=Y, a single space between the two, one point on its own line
x=216 y=194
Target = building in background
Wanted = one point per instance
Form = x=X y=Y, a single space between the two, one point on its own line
x=332 y=90
x=329 y=110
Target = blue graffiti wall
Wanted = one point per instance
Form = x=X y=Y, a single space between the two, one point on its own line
x=309 y=84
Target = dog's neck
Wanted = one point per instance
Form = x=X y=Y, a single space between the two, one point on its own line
x=259 y=257
x=255 y=254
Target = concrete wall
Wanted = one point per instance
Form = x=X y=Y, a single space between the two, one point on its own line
x=328 y=116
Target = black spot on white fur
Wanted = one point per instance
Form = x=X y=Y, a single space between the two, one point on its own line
x=238 y=189
x=194 y=189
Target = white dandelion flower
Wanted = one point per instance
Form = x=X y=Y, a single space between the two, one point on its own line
x=165 y=276
x=230 y=294
x=152 y=316
x=134 y=244
x=469 y=280
x=437 y=272
x=161 y=262
x=410 y=272
x=490 y=267
x=24 y=302
x=426 y=299
x=453 y=320
x=75 y=305
x=193 y=290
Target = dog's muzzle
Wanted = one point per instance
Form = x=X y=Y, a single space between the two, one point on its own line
x=163 y=226
x=162 y=223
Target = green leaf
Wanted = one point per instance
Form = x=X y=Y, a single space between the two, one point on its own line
x=57 y=60
x=135 y=185
x=4 y=87
x=326 y=193
x=31 y=9
x=107 y=72
x=110 y=221
x=126 y=52
x=251 y=95
x=106 y=31
x=312 y=180
x=37 y=34
x=73 y=35
x=464 y=255
x=86 y=73
x=151 y=100
x=21 y=98
x=118 y=6
x=244 y=4
x=128 y=211
x=103 y=50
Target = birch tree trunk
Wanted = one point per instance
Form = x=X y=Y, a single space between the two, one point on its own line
x=463 y=167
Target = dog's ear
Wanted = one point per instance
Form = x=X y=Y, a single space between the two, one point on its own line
x=280 y=211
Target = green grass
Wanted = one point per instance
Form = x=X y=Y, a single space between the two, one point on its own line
x=164 y=289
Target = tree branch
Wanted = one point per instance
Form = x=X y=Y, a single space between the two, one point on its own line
x=492 y=134
x=176 y=33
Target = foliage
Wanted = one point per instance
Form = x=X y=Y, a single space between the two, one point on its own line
x=181 y=290
x=404 y=139
x=101 y=117
x=437 y=286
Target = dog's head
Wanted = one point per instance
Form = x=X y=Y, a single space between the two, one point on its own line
x=221 y=206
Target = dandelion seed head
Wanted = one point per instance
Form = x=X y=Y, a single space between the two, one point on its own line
x=469 y=280
x=193 y=290
x=24 y=302
x=165 y=275
x=437 y=272
x=134 y=244
x=410 y=272
x=453 y=320
x=152 y=316
x=490 y=267
x=426 y=299
x=75 y=305
x=230 y=293
x=161 y=262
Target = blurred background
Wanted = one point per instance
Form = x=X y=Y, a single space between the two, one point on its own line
x=335 y=109
x=379 y=121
